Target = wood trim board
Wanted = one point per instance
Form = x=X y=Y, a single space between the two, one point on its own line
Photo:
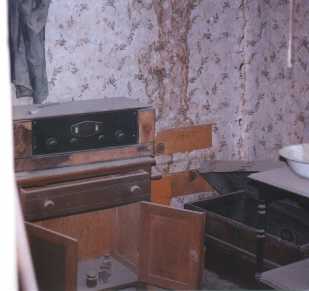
x=183 y=139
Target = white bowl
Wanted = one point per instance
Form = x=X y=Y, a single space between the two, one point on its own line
x=297 y=157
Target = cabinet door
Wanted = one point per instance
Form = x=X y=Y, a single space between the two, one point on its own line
x=126 y=228
x=171 y=247
x=54 y=258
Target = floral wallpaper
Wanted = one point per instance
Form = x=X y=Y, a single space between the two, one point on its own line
x=195 y=61
x=278 y=95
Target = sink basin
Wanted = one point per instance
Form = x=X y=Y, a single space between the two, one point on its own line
x=297 y=157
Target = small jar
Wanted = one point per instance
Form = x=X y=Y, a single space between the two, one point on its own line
x=91 y=279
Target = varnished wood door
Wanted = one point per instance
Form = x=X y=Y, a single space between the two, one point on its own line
x=126 y=233
x=54 y=257
x=171 y=247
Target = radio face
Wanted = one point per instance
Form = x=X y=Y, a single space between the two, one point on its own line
x=83 y=132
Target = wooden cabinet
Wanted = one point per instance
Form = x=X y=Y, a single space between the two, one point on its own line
x=77 y=215
x=83 y=207
x=151 y=243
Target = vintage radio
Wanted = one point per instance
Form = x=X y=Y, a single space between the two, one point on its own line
x=51 y=135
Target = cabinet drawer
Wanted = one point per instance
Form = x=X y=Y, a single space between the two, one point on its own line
x=83 y=195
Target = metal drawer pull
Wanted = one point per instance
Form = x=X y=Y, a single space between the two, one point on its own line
x=49 y=204
x=135 y=189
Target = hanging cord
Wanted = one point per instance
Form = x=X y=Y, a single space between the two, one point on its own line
x=290 y=41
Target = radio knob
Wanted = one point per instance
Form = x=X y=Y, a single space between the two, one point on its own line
x=73 y=141
x=48 y=204
x=120 y=136
x=51 y=142
x=101 y=138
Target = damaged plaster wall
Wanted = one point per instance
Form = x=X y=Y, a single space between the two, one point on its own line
x=240 y=78
x=195 y=61
x=216 y=79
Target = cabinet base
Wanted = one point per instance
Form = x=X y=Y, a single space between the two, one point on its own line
x=118 y=275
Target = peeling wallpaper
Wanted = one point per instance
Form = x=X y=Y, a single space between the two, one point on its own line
x=195 y=61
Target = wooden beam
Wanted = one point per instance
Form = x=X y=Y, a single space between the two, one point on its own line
x=83 y=157
x=185 y=139
x=146 y=124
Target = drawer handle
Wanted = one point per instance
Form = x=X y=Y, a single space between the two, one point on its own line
x=135 y=189
x=49 y=204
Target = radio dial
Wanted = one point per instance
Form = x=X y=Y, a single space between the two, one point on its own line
x=51 y=142
x=120 y=136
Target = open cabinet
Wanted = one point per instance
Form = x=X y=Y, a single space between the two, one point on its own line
x=151 y=243
x=84 y=200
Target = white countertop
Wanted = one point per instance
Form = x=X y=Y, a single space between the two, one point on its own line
x=285 y=179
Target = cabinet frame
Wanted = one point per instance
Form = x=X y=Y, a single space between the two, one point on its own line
x=135 y=229
x=148 y=244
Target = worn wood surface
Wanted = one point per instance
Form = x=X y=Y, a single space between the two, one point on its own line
x=146 y=122
x=63 y=174
x=52 y=252
x=126 y=228
x=34 y=111
x=183 y=139
x=171 y=247
x=22 y=139
x=163 y=245
x=83 y=157
x=85 y=194
x=178 y=184
x=93 y=230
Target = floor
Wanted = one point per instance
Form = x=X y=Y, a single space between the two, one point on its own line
x=220 y=281
x=118 y=274
x=215 y=281
x=211 y=281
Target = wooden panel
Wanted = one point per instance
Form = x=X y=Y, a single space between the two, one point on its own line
x=126 y=227
x=171 y=247
x=92 y=230
x=54 y=257
x=164 y=189
x=161 y=190
x=57 y=175
x=146 y=120
x=83 y=157
x=184 y=139
x=22 y=139
x=85 y=194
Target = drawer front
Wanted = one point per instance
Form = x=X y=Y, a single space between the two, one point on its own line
x=86 y=194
